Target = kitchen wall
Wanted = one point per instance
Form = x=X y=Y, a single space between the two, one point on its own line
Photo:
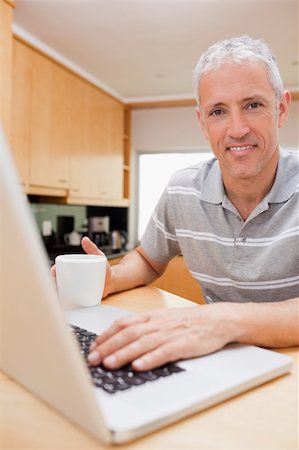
x=44 y=211
x=50 y=211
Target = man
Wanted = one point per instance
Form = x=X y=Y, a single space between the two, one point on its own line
x=234 y=219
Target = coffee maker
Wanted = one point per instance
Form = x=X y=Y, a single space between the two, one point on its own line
x=98 y=230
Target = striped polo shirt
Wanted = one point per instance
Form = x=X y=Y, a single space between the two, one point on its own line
x=232 y=259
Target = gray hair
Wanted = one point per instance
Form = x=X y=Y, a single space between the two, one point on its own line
x=238 y=50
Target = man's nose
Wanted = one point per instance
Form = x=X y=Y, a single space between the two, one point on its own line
x=238 y=125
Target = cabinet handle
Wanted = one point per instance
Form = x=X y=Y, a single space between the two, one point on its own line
x=75 y=190
x=61 y=180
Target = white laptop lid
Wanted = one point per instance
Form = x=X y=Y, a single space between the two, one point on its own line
x=34 y=336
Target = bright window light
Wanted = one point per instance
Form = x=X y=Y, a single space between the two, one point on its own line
x=155 y=169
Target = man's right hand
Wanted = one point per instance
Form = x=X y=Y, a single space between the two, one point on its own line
x=91 y=249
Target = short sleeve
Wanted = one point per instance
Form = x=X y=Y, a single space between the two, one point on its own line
x=159 y=239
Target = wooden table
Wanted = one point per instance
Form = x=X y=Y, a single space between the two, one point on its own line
x=263 y=418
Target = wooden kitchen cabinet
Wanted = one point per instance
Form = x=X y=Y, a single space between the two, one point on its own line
x=127 y=152
x=51 y=128
x=6 y=12
x=20 y=118
x=67 y=135
x=96 y=164
x=40 y=121
x=112 y=149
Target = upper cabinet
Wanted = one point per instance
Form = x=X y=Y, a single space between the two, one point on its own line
x=6 y=11
x=50 y=107
x=67 y=135
x=96 y=163
x=20 y=101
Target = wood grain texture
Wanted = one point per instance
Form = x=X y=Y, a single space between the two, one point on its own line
x=68 y=135
x=178 y=280
x=5 y=65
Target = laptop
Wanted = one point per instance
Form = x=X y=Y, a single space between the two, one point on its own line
x=40 y=350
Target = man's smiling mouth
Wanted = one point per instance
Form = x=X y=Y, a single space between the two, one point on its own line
x=240 y=148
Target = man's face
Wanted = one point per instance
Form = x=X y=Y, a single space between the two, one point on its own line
x=240 y=117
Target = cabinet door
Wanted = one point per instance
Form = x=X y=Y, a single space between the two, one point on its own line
x=96 y=164
x=67 y=134
x=20 y=107
x=6 y=13
x=112 y=149
x=85 y=171
x=50 y=124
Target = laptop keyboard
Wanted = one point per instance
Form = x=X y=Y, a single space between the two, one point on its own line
x=124 y=378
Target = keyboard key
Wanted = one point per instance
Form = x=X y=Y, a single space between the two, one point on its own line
x=98 y=382
x=109 y=387
x=148 y=376
x=162 y=371
x=175 y=368
x=122 y=386
x=135 y=380
x=121 y=383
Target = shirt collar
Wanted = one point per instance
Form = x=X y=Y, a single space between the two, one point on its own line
x=213 y=190
x=287 y=177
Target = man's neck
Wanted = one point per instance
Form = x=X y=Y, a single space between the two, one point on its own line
x=246 y=194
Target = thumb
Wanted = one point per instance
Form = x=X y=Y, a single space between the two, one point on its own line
x=90 y=247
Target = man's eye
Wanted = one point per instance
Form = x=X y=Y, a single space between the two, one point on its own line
x=216 y=112
x=254 y=105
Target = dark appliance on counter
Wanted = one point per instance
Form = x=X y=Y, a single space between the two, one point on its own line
x=65 y=225
x=99 y=231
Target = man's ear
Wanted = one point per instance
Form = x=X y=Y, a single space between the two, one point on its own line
x=201 y=122
x=283 y=108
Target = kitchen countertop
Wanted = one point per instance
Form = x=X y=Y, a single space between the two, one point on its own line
x=53 y=252
x=117 y=255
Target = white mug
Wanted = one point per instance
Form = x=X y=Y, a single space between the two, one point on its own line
x=80 y=279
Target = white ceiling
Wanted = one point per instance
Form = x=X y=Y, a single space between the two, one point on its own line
x=147 y=49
